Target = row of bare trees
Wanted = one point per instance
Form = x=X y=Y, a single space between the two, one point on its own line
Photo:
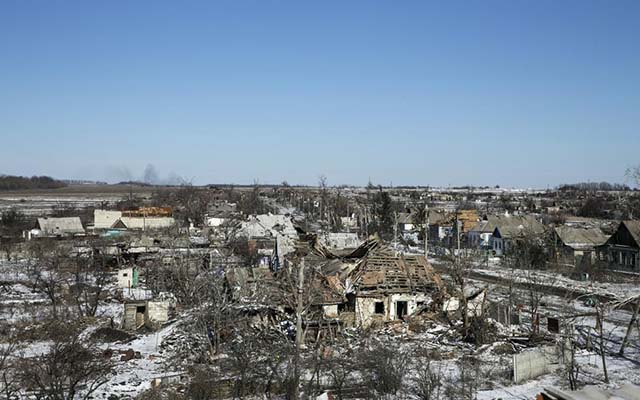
x=69 y=366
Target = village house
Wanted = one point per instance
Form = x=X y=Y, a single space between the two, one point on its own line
x=146 y=218
x=385 y=287
x=480 y=235
x=463 y=222
x=512 y=228
x=577 y=245
x=622 y=250
x=57 y=227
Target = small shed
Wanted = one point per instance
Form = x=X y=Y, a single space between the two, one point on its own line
x=144 y=313
x=128 y=277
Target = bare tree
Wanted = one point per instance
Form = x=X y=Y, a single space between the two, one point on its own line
x=427 y=381
x=197 y=286
x=459 y=271
x=69 y=370
x=384 y=368
x=48 y=274
x=260 y=363
x=324 y=196
x=90 y=276
x=534 y=295
x=9 y=383
x=341 y=368
x=251 y=203
x=464 y=385
x=12 y=223
x=633 y=174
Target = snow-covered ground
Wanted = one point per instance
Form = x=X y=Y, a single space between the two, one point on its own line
x=134 y=376
x=19 y=303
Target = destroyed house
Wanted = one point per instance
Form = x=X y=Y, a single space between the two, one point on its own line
x=329 y=293
x=622 y=250
x=278 y=228
x=385 y=287
x=406 y=222
x=219 y=213
x=440 y=225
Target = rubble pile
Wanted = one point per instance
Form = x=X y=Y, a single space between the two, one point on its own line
x=185 y=346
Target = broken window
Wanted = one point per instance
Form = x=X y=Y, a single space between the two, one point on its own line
x=379 y=307
x=401 y=309
x=140 y=311
x=553 y=325
x=350 y=306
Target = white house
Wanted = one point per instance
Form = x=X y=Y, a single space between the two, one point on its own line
x=108 y=219
x=127 y=278
x=56 y=227
x=341 y=240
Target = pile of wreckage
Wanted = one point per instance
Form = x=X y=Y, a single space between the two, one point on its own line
x=627 y=391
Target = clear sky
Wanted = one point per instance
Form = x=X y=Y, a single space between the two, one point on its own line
x=516 y=93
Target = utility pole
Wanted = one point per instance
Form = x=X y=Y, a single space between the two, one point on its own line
x=426 y=231
x=300 y=305
x=458 y=233
x=299 y=333
x=395 y=232
x=600 y=321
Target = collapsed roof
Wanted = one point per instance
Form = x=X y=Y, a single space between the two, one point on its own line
x=382 y=272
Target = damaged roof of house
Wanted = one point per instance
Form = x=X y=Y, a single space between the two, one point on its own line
x=382 y=272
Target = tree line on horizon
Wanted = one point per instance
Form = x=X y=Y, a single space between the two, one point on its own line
x=10 y=182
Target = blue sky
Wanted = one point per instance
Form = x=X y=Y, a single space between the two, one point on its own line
x=515 y=93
